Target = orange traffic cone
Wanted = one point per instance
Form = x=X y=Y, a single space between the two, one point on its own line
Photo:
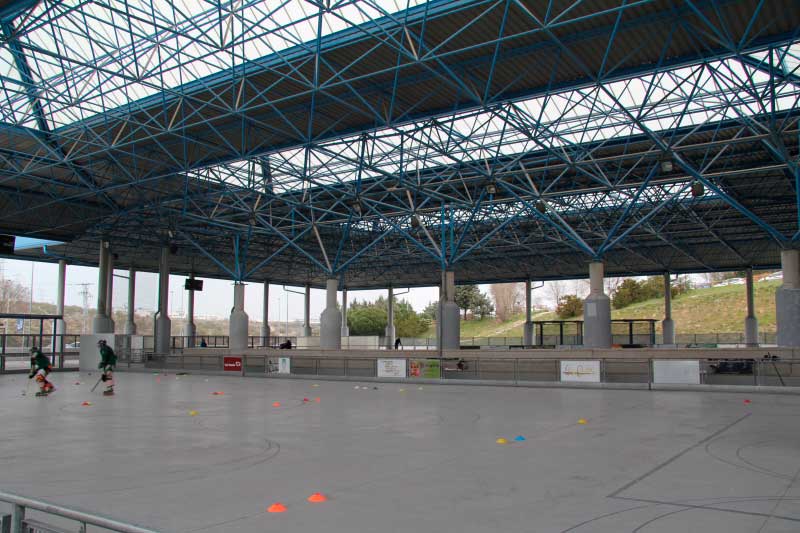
x=276 y=508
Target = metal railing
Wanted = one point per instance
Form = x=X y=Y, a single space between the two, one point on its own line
x=547 y=333
x=11 y=343
x=178 y=342
x=640 y=332
x=19 y=523
x=709 y=339
x=712 y=371
x=19 y=363
x=62 y=350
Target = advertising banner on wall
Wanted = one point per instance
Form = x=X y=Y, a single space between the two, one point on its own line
x=423 y=368
x=581 y=371
x=284 y=365
x=232 y=364
x=676 y=372
x=391 y=368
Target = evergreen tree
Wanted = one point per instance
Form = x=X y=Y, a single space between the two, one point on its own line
x=467 y=297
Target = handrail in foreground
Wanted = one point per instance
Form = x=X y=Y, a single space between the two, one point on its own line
x=20 y=503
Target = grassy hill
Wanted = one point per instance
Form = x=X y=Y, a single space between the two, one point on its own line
x=712 y=310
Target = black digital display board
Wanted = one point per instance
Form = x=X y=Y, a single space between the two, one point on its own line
x=7 y=244
x=194 y=284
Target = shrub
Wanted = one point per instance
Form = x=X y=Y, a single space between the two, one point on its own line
x=569 y=306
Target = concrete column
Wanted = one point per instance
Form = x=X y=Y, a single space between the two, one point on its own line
x=265 y=332
x=130 y=324
x=330 y=328
x=787 y=300
x=450 y=315
x=668 y=325
x=390 y=331
x=239 y=321
x=345 y=327
x=190 y=330
x=58 y=341
x=163 y=327
x=307 y=312
x=750 y=321
x=110 y=292
x=439 y=317
x=527 y=332
x=101 y=323
x=596 y=311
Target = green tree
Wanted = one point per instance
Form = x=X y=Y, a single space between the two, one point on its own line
x=629 y=291
x=467 y=296
x=370 y=319
x=569 y=306
x=366 y=320
x=431 y=310
x=409 y=323
x=483 y=307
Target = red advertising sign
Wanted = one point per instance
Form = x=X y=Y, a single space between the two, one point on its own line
x=232 y=364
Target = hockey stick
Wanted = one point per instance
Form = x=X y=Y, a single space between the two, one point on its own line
x=27 y=391
x=96 y=384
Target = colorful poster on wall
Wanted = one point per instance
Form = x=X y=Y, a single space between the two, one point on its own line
x=424 y=368
x=391 y=368
x=580 y=371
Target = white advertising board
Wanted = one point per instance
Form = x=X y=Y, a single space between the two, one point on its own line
x=137 y=342
x=581 y=371
x=391 y=368
x=89 y=356
x=284 y=365
x=676 y=371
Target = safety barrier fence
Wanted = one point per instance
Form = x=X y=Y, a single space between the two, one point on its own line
x=222 y=341
x=19 y=522
x=20 y=343
x=569 y=338
x=546 y=334
x=18 y=363
x=644 y=371
x=543 y=338
x=639 y=332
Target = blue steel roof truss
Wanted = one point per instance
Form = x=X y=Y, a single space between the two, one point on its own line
x=331 y=157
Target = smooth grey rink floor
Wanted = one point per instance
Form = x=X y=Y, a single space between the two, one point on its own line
x=403 y=461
